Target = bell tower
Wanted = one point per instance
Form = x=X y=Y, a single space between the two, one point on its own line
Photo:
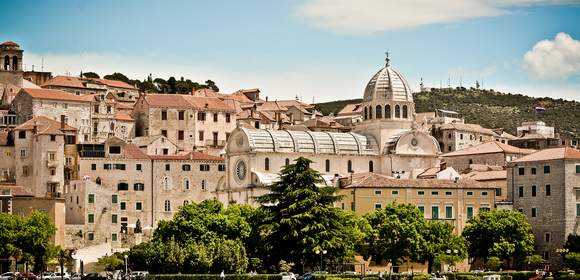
x=11 y=70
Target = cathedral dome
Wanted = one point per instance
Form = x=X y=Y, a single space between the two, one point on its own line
x=388 y=85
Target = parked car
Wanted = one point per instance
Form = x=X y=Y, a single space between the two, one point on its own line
x=9 y=276
x=288 y=276
x=310 y=276
x=139 y=275
x=26 y=275
x=47 y=276
x=65 y=276
x=94 y=276
x=76 y=276
x=349 y=273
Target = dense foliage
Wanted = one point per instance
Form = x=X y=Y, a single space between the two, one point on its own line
x=503 y=234
x=26 y=238
x=483 y=106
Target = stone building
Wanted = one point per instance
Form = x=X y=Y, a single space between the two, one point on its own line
x=536 y=135
x=544 y=186
x=456 y=136
x=155 y=145
x=193 y=123
x=492 y=153
x=83 y=86
x=11 y=64
x=389 y=145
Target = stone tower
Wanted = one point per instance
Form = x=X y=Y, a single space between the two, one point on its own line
x=11 y=64
x=388 y=107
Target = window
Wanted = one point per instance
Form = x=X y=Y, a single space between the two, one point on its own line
x=52 y=171
x=521 y=191
x=546 y=169
x=327 y=165
x=577 y=209
x=266 y=164
x=113 y=237
x=420 y=192
x=106 y=166
x=378 y=206
x=547 y=237
x=123 y=205
x=405 y=113
x=122 y=186
x=98 y=181
x=200 y=135
x=91 y=198
x=114 y=149
x=222 y=167
x=203 y=185
x=91 y=218
x=114 y=198
x=167 y=206
x=164 y=132
x=548 y=190
x=21 y=134
x=165 y=151
x=461 y=136
x=90 y=236
x=421 y=208
x=228 y=118
x=186 y=184
x=114 y=218
x=533 y=171
x=448 y=212
x=139 y=187
x=349 y=166
x=394 y=193
x=533 y=190
x=186 y=167
x=180 y=135
x=52 y=138
x=534 y=212
x=497 y=191
x=469 y=193
x=448 y=193
x=22 y=153
x=483 y=193
x=397 y=111
x=469 y=212
x=578 y=169
x=201 y=116
x=521 y=171
x=371 y=166
x=434 y=193
x=378 y=192
x=138 y=167
x=215 y=117
x=387 y=111
x=434 y=212
x=93 y=166
x=185 y=202
x=163 y=115
x=138 y=206
x=204 y=167
x=287 y=162
x=181 y=115
x=379 y=112
x=167 y=167
x=119 y=166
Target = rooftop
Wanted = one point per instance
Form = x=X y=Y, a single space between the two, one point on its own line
x=187 y=101
x=374 y=180
x=54 y=94
x=489 y=147
x=44 y=125
x=77 y=82
x=552 y=154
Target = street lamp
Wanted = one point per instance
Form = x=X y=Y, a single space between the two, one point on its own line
x=449 y=251
x=319 y=252
x=126 y=257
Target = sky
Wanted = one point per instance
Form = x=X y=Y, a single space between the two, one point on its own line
x=319 y=50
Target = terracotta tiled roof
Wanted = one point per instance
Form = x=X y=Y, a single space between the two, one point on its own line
x=374 y=180
x=120 y=116
x=187 y=101
x=44 y=125
x=551 y=154
x=53 y=94
x=65 y=81
x=10 y=44
x=531 y=136
x=486 y=175
x=316 y=123
x=350 y=109
x=131 y=151
x=489 y=147
x=467 y=127
x=429 y=172
x=115 y=83
x=17 y=191
x=188 y=156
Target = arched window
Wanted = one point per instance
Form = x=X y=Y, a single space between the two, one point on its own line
x=6 y=63
x=366 y=113
x=387 y=111
x=405 y=113
x=371 y=166
x=370 y=112
x=166 y=183
x=112 y=126
x=397 y=111
x=379 y=112
x=327 y=163
x=185 y=202
x=98 y=180
x=349 y=166
x=287 y=161
x=15 y=63
x=266 y=164
x=186 y=183
x=167 y=206
x=203 y=184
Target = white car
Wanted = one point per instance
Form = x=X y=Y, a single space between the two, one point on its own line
x=288 y=276
x=8 y=275
x=76 y=276
x=139 y=274
x=65 y=276
x=47 y=276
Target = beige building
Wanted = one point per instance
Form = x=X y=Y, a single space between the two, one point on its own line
x=536 y=135
x=155 y=145
x=492 y=153
x=87 y=86
x=193 y=123
x=458 y=136
x=545 y=187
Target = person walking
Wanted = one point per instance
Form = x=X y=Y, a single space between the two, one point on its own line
x=222 y=275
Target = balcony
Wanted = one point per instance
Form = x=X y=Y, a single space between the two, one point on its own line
x=95 y=154
x=215 y=143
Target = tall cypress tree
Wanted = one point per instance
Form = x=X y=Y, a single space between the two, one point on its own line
x=301 y=219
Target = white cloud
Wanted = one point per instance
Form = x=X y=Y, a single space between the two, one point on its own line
x=553 y=60
x=369 y=16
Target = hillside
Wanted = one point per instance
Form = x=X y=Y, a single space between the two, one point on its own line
x=491 y=109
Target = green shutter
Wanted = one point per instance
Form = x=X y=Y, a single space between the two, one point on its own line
x=114 y=198
x=448 y=212
x=114 y=218
x=91 y=198
x=434 y=212
x=469 y=212
x=578 y=210
x=91 y=218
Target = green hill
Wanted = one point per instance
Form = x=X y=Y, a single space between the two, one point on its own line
x=491 y=109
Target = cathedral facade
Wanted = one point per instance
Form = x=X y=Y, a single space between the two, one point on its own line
x=387 y=142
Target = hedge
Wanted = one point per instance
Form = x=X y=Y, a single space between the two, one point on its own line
x=213 y=277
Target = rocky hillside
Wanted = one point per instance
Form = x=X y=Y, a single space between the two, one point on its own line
x=491 y=109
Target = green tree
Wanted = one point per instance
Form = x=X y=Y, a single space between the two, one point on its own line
x=493 y=263
x=110 y=263
x=397 y=234
x=572 y=260
x=92 y=75
x=34 y=236
x=301 y=219
x=9 y=233
x=118 y=77
x=504 y=234
x=442 y=245
x=573 y=243
x=534 y=261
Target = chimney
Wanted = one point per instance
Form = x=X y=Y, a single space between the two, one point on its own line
x=442 y=165
x=62 y=121
x=266 y=98
x=34 y=128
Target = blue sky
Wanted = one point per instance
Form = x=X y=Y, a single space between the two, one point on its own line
x=326 y=49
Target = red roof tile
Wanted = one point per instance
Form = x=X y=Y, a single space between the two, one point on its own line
x=374 y=180
x=44 y=125
x=551 y=154
x=53 y=94
x=120 y=116
x=489 y=148
x=131 y=151
x=187 y=101
x=17 y=191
